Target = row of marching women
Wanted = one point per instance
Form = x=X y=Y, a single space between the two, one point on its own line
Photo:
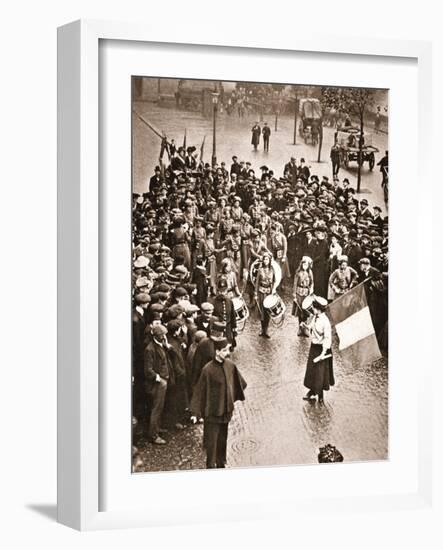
x=208 y=239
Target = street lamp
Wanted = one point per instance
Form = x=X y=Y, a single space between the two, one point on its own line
x=214 y=127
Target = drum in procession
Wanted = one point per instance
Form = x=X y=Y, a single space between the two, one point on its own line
x=241 y=312
x=275 y=307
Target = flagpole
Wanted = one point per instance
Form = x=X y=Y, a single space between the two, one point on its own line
x=149 y=125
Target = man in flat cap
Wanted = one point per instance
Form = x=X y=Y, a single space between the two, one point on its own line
x=203 y=321
x=159 y=373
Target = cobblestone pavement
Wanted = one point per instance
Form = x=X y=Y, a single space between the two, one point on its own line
x=274 y=426
x=234 y=138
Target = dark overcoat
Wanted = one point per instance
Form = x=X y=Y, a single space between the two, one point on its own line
x=207 y=399
x=204 y=353
x=320 y=268
x=255 y=135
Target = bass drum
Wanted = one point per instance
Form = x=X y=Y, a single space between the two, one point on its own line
x=254 y=269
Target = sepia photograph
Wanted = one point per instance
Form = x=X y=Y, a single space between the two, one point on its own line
x=260 y=237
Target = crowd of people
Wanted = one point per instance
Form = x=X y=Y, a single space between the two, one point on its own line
x=196 y=233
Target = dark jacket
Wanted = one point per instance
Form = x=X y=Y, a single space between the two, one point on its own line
x=208 y=400
x=200 y=326
x=256 y=130
x=157 y=360
x=204 y=353
x=235 y=168
x=290 y=171
x=224 y=310
x=354 y=253
x=200 y=279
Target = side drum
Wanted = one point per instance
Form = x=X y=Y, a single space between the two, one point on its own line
x=241 y=312
x=275 y=307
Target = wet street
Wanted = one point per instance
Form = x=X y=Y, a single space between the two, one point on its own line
x=234 y=138
x=273 y=425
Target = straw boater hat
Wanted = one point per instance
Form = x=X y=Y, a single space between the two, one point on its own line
x=141 y=262
x=313 y=299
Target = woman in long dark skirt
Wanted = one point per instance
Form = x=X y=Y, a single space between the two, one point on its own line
x=319 y=376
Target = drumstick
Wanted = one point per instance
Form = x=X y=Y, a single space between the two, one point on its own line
x=320 y=358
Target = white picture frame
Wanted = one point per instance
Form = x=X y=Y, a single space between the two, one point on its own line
x=80 y=293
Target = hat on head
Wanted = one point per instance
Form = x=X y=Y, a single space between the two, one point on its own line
x=141 y=262
x=365 y=261
x=319 y=302
x=157 y=308
x=142 y=298
x=173 y=325
x=199 y=336
x=207 y=307
x=142 y=281
x=180 y=292
x=163 y=287
x=218 y=331
x=343 y=258
x=175 y=310
x=190 y=308
x=158 y=331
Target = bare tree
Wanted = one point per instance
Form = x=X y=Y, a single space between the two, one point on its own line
x=355 y=102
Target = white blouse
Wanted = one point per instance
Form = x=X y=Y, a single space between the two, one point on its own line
x=321 y=331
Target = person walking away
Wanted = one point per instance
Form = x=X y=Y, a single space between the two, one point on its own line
x=219 y=387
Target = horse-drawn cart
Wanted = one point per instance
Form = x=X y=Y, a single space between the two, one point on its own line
x=310 y=120
x=348 y=140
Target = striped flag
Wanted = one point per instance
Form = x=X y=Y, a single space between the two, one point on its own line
x=352 y=319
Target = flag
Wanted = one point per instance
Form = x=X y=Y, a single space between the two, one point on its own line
x=353 y=323
x=163 y=148
x=202 y=148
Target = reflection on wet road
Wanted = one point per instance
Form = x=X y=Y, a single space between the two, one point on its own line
x=274 y=426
